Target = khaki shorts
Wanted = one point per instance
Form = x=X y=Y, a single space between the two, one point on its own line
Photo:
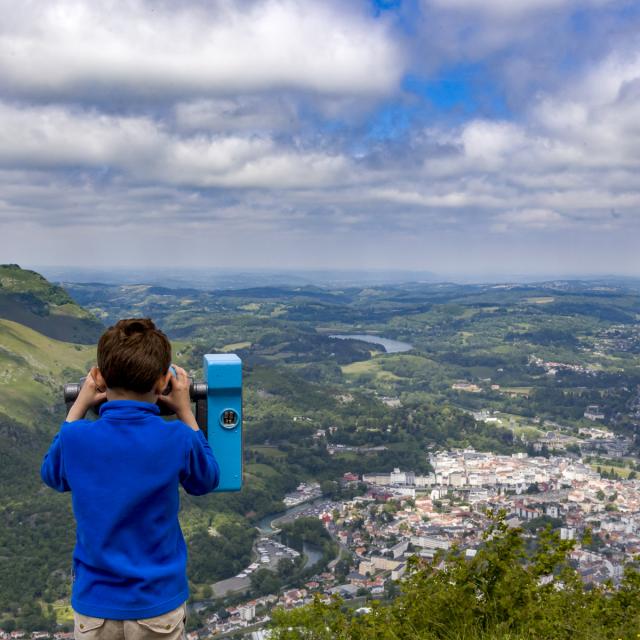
x=168 y=626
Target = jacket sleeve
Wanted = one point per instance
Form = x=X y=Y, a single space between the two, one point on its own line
x=52 y=471
x=201 y=473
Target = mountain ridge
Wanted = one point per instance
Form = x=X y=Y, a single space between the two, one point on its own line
x=45 y=338
x=26 y=297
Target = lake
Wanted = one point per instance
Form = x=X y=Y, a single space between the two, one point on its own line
x=390 y=346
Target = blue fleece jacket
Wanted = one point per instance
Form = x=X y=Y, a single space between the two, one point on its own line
x=123 y=471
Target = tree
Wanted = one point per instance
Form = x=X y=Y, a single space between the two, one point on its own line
x=8 y=625
x=207 y=591
x=265 y=582
x=342 y=568
x=391 y=589
x=328 y=487
x=497 y=594
x=286 y=568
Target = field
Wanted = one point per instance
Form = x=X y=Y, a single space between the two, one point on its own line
x=369 y=368
x=235 y=346
x=623 y=472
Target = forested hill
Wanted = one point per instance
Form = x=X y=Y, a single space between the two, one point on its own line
x=31 y=300
x=45 y=340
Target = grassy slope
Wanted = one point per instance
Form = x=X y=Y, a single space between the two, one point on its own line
x=28 y=298
x=32 y=367
x=36 y=525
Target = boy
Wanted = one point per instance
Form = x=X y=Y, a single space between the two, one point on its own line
x=129 y=563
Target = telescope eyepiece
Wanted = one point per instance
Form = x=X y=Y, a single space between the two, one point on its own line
x=197 y=392
x=71 y=392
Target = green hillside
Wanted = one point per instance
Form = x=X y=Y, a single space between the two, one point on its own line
x=32 y=368
x=28 y=298
x=36 y=526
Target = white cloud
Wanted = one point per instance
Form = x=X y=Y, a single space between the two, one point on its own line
x=523 y=46
x=491 y=142
x=56 y=137
x=256 y=117
x=151 y=49
x=456 y=197
x=607 y=80
x=529 y=219
x=512 y=8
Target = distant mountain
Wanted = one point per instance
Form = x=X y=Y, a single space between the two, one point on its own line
x=30 y=300
x=209 y=278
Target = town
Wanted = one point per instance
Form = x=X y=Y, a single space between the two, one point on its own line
x=403 y=514
x=400 y=514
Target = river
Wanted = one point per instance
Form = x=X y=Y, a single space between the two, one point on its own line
x=311 y=551
x=264 y=524
x=313 y=554
x=390 y=346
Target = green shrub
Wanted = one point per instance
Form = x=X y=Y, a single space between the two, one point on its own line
x=502 y=593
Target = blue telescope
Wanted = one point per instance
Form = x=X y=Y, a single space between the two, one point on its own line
x=223 y=375
x=218 y=413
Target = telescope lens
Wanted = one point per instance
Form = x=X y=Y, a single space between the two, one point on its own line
x=229 y=418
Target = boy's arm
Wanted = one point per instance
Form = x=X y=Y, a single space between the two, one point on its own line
x=178 y=399
x=201 y=473
x=89 y=396
x=52 y=471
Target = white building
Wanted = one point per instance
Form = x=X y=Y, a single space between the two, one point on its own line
x=247 y=612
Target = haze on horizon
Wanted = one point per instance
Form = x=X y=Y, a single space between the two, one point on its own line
x=452 y=136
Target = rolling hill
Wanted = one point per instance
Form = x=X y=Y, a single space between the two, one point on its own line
x=31 y=300
x=45 y=339
x=32 y=370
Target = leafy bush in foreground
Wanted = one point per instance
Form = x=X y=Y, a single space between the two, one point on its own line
x=502 y=593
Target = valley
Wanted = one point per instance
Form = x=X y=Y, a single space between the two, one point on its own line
x=540 y=369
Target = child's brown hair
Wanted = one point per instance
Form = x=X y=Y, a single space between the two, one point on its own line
x=133 y=354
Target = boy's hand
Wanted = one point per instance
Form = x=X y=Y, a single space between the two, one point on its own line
x=90 y=395
x=178 y=399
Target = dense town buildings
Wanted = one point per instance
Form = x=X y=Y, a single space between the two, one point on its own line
x=404 y=514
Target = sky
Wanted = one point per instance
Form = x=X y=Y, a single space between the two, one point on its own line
x=452 y=136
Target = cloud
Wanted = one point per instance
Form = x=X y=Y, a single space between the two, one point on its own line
x=143 y=149
x=60 y=137
x=491 y=142
x=453 y=197
x=528 y=219
x=277 y=118
x=510 y=9
x=520 y=48
x=101 y=50
x=251 y=113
